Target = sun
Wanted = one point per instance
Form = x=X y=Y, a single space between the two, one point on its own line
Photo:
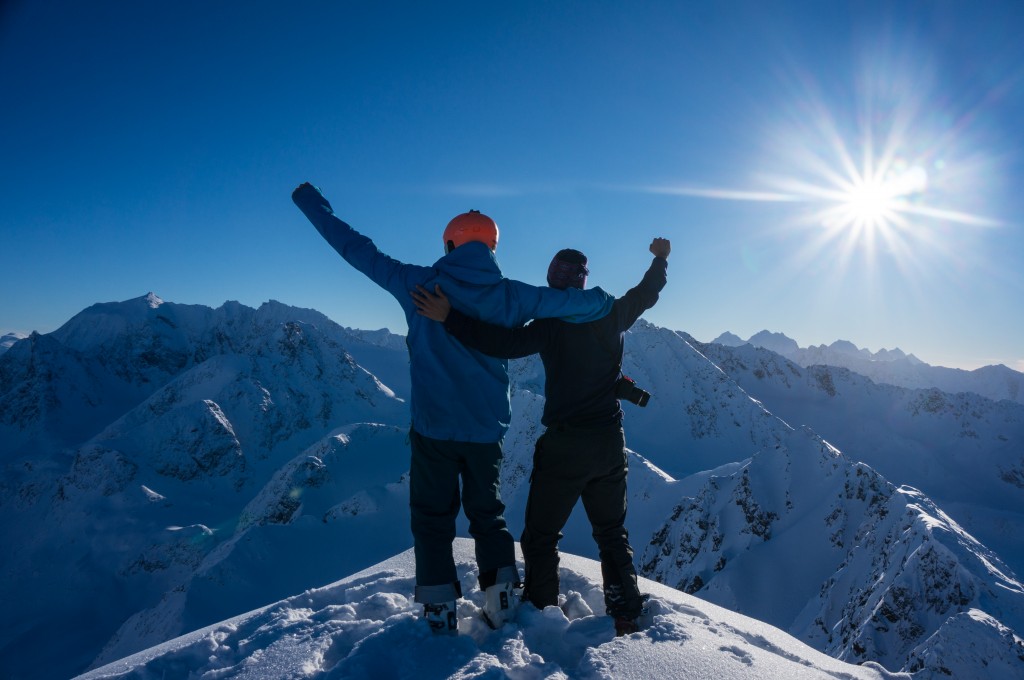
x=879 y=178
x=869 y=203
x=874 y=190
x=876 y=197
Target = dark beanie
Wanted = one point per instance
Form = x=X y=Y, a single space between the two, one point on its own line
x=568 y=269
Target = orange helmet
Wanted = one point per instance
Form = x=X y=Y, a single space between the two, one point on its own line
x=470 y=226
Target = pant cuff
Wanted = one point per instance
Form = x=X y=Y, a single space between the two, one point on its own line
x=446 y=592
x=499 y=575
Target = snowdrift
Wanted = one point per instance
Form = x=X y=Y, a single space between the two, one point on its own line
x=367 y=626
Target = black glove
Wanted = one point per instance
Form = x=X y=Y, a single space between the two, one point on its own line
x=307 y=196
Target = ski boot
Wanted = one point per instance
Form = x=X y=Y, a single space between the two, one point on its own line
x=625 y=624
x=500 y=604
x=442 y=618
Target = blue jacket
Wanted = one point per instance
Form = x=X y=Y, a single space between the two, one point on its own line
x=457 y=393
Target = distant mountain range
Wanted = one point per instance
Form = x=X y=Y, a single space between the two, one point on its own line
x=891 y=367
x=159 y=460
x=9 y=339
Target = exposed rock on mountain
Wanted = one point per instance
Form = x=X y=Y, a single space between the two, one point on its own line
x=827 y=549
x=964 y=451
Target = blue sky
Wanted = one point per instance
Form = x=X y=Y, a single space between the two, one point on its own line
x=828 y=170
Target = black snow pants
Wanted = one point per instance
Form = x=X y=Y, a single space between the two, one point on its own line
x=569 y=464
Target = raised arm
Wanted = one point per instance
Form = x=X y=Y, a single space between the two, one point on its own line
x=639 y=299
x=357 y=249
x=487 y=338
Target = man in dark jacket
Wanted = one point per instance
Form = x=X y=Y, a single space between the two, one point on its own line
x=460 y=403
x=582 y=451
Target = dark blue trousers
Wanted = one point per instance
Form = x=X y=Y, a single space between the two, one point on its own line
x=434 y=500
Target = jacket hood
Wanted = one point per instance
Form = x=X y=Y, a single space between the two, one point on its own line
x=471 y=262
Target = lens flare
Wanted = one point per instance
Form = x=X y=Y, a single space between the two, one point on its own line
x=887 y=174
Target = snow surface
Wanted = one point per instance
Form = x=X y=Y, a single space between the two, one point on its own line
x=367 y=626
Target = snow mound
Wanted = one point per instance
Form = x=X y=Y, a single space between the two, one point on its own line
x=367 y=626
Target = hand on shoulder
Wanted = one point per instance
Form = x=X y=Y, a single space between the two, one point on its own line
x=431 y=305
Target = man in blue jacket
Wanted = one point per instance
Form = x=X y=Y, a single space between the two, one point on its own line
x=460 y=398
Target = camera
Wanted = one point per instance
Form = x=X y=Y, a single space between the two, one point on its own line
x=625 y=388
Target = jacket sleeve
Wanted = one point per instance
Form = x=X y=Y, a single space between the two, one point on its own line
x=358 y=250
x=497 y=341
x=638 y=300
x=572 y=305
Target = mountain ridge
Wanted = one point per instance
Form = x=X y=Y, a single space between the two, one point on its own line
x=865 y=602
x=893 y=367
x=238 y=441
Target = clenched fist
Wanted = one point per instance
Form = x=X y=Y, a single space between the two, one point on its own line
x=661 y=247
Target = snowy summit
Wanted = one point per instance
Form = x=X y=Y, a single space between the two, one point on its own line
x=367 y=626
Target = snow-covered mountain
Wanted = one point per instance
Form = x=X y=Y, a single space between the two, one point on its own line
x=150 y=449
x=169 y=466
x=891 y=367
x=353 y=628
x=964 y=451
x=780 y=343
x=8 y=339
x=827 y=549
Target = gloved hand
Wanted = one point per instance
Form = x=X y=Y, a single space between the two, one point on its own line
x=661 y=247
x=308 y=196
